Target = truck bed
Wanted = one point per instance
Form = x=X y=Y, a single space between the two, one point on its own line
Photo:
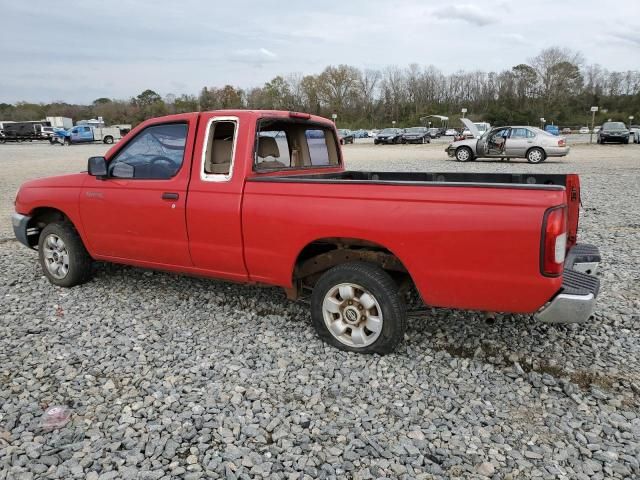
x=491 y=180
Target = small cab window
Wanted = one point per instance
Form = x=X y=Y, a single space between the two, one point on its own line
x=282 y=144
x=218 y=155
x=155 y=153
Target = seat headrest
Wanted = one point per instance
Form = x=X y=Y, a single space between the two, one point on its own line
x=222 y=151
x=268 y=147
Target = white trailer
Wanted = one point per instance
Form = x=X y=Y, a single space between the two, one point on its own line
x=60 y=122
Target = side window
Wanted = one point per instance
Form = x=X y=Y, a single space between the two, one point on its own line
x=218 y=155
x=155 y=153
x=318 y=151
x=530 y=134
x=518 y=133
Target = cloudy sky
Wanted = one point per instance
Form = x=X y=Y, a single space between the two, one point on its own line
x=77 y=51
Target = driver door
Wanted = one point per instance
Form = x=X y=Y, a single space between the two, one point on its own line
x=138 y=212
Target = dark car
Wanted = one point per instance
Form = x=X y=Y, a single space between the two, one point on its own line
x=434 y=132
x=346 y=136
x=613 y=132
x=389 y=135
x=416 y=135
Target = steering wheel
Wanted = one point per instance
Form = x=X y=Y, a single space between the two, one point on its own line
x=160 y=158
x=161 y=166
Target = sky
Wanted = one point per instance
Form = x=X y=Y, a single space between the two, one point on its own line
x=77 y=51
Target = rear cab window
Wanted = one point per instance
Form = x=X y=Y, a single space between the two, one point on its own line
x=283 y=144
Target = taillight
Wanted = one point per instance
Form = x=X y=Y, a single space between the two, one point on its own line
x=562 y=142
x=554 y=241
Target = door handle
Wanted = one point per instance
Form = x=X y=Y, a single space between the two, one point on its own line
x=170 y=196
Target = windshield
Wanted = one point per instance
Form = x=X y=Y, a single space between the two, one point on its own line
x=343 y=131
x=416 y=130
x=614 y=126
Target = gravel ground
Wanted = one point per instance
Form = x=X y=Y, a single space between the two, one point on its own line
x=174 y=377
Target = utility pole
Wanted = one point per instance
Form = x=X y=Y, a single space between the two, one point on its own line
x=593 y=122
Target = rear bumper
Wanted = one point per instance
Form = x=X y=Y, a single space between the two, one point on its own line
x=576 y=300
x=557 y=151
x=20 y=223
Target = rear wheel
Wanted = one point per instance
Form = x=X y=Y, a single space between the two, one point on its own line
x=535 y=155
x=464 y=154
x=63 y=258
x=357 y=307
x=108 y=139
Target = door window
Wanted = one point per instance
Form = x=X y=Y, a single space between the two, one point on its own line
x=519 y=133
x=155 y=153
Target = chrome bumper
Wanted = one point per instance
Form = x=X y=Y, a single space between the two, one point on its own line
x=576 y=300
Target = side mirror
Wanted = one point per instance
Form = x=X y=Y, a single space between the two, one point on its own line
x=97 y=166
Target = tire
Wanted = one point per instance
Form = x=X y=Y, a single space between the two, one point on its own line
x=65 y=264
x=626 y=142
x=536 y=155
x=67 y=142
x=108 y=140
x=2 y=140
x=52 y=141
x=382 y=303
x=464 y=154
x=375 y=142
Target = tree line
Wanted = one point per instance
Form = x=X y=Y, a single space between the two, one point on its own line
x=556 y=84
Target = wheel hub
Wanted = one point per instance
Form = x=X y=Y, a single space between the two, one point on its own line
x=56 y=256
x=352 y=315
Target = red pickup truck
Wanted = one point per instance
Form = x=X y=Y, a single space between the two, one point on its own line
x=262 y=197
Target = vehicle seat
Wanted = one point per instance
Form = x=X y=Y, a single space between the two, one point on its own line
x=268 y=147
x=220 y=160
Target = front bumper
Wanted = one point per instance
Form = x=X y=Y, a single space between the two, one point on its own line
x=20 y=223
x=576 y=300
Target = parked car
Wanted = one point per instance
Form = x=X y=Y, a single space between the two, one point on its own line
x=389 y=135
x=527 y=142
x=416 y=135
x=345 y=136
x=635 y=133
x=434 y=132
x=566 y=131
x=450 y=132
x=552 y=129
x=613 y=132
x=150 y=202
x=584 y=130
x=596 y=129
x=361 y=134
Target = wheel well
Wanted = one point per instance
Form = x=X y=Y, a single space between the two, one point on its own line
x=321 y=255
x=41 y=217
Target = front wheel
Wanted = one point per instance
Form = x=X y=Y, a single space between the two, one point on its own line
x=357 y=307
x=464 y=154
x=63 y=258
x=535 y=155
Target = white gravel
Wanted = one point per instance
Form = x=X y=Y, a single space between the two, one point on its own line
x=175 y=377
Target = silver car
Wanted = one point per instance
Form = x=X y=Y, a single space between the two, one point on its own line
x=527 y=142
